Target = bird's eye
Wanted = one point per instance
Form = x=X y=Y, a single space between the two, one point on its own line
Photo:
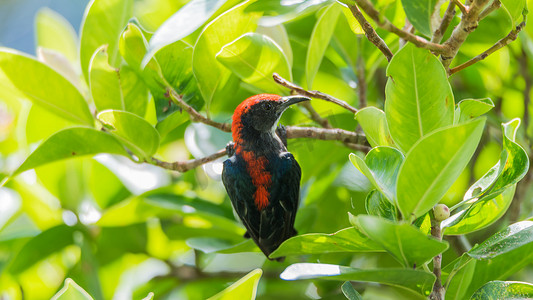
x=268 y=106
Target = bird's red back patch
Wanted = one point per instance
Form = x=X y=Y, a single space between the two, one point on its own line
x=261 y=178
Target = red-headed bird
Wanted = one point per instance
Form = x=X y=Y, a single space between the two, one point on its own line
x=261 y=177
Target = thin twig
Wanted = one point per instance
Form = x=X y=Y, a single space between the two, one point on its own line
x=500 y=44
x=496 y=4
x=184 y=166
x=469 y=22
x=313 y=115
x=384 y=23
x=195 y=115
x=313 y=94
x=446 y=21
x=461 y=6
x=361 y=77
x=370 y=33
x=438 y=289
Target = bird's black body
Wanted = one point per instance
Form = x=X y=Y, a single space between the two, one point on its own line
x=261 y=177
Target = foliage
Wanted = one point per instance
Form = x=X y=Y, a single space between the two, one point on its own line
x=91 y=209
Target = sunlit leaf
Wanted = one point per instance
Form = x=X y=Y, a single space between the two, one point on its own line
x=374 y=124
x=72 y=291
x=514 y=8
x=495 y=290
x=512 y=237
x=446 y=153
x=319 y=41
x=419 y=96
x=418 y=281
x=381 y=166
x=54 y=32
x=344 y=240
x=419 y=14
x=102 y=23
x=71 y=142
x=44 y=87
x=403 y=241
x=378 y=205
x=211 y=75
x=471 y=108
x=244 y=288
x=254 y=58
x=137 y=134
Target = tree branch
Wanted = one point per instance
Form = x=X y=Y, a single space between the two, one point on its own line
x=461 y=6
x=313 y=115
x=446 y=21
x=500 y=44
x=438 y=289
x=384 y=23
x=496 y=4
x=370 y=33
x=468 y=23
x=313 y=94
x=184 y=166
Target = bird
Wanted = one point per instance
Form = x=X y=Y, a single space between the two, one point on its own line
x=261 y=177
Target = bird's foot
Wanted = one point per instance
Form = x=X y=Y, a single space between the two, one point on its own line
x=230 y=149
x=281 y=131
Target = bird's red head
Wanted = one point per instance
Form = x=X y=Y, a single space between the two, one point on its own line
x=260 y=113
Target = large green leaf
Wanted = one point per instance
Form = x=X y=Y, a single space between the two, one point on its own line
x=72 y=142
x=381 y=167
x=212 y=76
x=419 y=96
x=44 y=87
x=133 y=131
x=54 y=32
x=509 y=290
x=514 y=8
x=433 y=164
x=471 y=108
x=72 y=291
x=101 y=25
x=378 y=205
x=254 y=58
x=418 y=281
x=319 y=41
x=349 y=292
x=488 y=198
x=344 y=240
x=244 y=288
x=374 y=124
x=512 y=237
x=182 y=23
x=419 y=14
x=41 y=246
x=403 y=241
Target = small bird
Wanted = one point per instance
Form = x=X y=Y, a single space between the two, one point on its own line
x=261 y=177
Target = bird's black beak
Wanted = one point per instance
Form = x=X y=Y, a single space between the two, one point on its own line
x=290 y=100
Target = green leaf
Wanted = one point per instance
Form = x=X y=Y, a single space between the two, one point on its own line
x=419 y=14
x=381 y=167
x=462 y=276
x=319 y=41
x=182 y=23
x=244 y=288
x=54 y=32
x=444 y=153
x=72 y=142
x=344 y=240
x=254 y=58
x=72 y=291
x=514 y=8
x=104 y=82
x=215 y=245
x=471 y=108
x=488 y=198
x=495 y=290
x=102 y=24
x=514 y=236
x=419 y=96
x=44 y=87
x=133 y=131
x=378 y=205
x=416 y=280
x=212 y=76
x=374 y=124
x=403 y=241
x=350 y=292
x=41 y=246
